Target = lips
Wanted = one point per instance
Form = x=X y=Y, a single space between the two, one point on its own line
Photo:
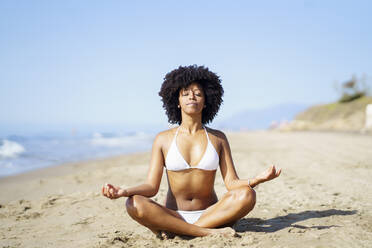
x=192 y=103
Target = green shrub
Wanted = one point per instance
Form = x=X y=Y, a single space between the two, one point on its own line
x=351 y=97
x=352 y=89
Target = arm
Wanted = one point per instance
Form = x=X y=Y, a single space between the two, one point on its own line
x=154 y=175
x=229 y=174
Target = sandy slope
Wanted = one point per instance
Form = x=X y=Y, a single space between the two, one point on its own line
x=322 y=199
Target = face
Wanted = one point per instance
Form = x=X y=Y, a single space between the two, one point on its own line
x=192 y=99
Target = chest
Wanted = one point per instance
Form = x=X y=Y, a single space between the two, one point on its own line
x=192 y=150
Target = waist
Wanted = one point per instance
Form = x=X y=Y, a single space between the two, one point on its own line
x=186 y=202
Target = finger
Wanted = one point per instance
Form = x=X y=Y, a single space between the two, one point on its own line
x=112 y=196
x=278 y=172
x=106 y=194
x=109 y=189
x=105 y=189
x=113 y=189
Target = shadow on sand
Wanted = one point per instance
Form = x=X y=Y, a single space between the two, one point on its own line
x=281 y=222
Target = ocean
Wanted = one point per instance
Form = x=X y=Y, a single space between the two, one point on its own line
x=24 y=153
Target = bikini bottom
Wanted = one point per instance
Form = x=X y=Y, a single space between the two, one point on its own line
x=191 y=216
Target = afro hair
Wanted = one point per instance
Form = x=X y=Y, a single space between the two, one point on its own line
x=181 y=78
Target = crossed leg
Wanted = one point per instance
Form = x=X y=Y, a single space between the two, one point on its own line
x=233 y=205
x=159 y=218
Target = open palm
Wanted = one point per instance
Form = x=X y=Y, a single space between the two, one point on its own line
x=270 y=173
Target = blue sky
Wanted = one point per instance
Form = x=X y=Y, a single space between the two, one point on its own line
x=86 y=63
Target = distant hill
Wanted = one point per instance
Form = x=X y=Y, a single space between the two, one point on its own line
x=332 y=117
x=253 y=119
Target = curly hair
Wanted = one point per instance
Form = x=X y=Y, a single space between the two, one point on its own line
x=181 y=78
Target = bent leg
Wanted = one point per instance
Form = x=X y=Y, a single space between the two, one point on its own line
x=233 y=206
x=159 y=218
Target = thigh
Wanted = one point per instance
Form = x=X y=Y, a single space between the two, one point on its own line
x=232 y=206
x=214 y=210
x=145 y=204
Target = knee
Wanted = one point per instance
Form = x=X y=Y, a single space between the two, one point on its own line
x=246 y=197
x=135 y=206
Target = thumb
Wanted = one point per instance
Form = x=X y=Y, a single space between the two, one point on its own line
x=109 y=185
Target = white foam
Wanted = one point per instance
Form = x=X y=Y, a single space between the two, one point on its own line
x=124 y=141
x=10 y=149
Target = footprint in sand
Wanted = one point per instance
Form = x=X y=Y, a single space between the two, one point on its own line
x=22 y=210
x=84 y=221
x=50 y=201
x=33 y=215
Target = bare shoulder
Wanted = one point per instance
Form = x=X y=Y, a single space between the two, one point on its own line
x=164 y=137
x=219 y=139
x=218 y=135
x=167 y=133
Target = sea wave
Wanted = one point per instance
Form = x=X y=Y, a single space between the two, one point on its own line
x=10 y=149
x=100 y=139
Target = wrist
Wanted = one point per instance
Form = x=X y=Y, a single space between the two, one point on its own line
x=261 y=179
x=123 y=193
x=255 y=181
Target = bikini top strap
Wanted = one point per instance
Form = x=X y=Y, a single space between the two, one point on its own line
x=175 y=136
x=177 y=132
x=206 y=133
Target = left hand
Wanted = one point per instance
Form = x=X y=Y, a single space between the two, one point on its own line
x=269 y=174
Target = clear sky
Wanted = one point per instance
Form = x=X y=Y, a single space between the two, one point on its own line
x=102 y=62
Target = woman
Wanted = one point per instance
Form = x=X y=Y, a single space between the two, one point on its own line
x=191 y=154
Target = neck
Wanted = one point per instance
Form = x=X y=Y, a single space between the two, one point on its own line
x=191 y=124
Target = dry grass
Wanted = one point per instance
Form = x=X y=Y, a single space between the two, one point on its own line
x=337 y=116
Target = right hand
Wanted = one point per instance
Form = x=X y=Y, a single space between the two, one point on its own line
x=113 y=192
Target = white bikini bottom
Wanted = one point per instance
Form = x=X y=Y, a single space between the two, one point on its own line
x=191 y=216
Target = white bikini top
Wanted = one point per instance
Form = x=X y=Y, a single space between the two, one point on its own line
x=176 y=162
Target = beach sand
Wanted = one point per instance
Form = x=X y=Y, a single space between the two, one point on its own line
x=322 y=199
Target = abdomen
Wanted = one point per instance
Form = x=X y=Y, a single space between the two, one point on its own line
x=191 y=189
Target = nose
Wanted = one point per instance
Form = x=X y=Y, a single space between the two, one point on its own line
x=192 y=95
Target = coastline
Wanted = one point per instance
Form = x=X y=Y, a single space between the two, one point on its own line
x=61 y=172
x=322 y=198
x=63 y=168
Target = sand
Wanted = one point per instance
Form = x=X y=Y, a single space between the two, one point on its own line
x=322 y=199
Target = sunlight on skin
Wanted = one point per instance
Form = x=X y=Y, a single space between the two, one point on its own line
x=191 y=142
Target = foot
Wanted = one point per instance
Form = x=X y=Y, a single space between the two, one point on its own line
x=164 y=235
x=226 y=232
